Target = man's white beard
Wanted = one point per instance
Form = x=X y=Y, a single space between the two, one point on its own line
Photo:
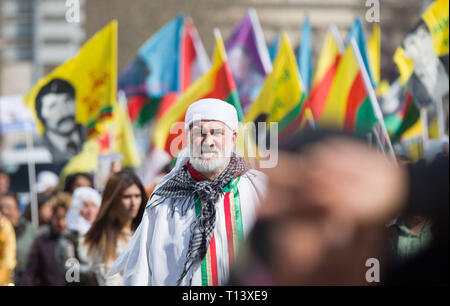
x=210 y=160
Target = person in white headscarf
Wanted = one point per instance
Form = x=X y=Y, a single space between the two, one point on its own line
x=83 y=210
x=199 y=214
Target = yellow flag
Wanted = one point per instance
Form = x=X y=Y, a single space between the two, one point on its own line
x=91 y=78
x=282 y=90
x=124 y=142
x=405 y=65
x=374 y=45
x=85 y=161
x=436 y=19
x=383 y=88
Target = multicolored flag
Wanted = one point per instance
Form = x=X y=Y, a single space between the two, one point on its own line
x=357 y=32
x=194 y=61
x=325 y=70
x=216 y=83
x=282 y=91
x=154 y=72
x=117 y=137
x=304 y=55
x=348 y=105
x=78 y=94
x=399 y=111
x=248 y=58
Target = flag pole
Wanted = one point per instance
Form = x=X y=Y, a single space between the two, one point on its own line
x=424 y=119
x=32 y=176
x=440 y=116
x=260 y=42
x=372 y=97
x=378 y=141
x=337 y=37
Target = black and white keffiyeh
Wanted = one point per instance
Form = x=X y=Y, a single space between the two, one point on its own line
x=182 y=184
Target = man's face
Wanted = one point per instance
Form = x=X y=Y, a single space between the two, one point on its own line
x=211 y=144
x=58 y=111
x=9 y=208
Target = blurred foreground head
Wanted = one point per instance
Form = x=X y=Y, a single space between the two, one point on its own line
x=328 y=200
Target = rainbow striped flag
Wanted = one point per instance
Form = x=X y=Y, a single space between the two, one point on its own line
x=216 y=83
x=404 y=115
x=324 y=75
x=312 y=107
x=348 y=105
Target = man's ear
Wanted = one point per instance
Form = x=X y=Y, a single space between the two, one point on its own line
x=235 y=135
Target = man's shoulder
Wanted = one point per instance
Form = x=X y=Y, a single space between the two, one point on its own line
x=255 y=176
x=254 y=181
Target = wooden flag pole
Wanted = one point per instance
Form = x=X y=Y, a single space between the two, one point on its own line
x=372 y=97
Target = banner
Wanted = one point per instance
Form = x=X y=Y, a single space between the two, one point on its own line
x=77 y=95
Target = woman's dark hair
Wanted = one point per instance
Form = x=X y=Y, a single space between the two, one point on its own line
x=71 y=178
x=111 y=218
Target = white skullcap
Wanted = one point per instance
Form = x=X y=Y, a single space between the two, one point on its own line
x=212 y=109
x=45 y=180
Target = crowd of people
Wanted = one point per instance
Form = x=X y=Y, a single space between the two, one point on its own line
x=75 y=223
x=331 y=204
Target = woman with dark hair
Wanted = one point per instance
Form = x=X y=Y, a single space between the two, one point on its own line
x=79 y=179
x=121 y=211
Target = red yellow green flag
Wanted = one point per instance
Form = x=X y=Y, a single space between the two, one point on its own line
x=324 y=75
x=348 y=106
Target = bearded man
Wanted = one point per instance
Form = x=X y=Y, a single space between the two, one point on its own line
x=199 y=214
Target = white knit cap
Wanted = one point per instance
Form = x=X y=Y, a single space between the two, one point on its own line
x=45 y=180
x=212 y=109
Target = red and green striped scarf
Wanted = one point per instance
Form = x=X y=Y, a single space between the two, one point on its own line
x=234 y=229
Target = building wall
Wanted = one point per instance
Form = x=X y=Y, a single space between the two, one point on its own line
x=139 y=19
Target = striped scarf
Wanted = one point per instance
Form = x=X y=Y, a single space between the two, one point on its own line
x=183 y=185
